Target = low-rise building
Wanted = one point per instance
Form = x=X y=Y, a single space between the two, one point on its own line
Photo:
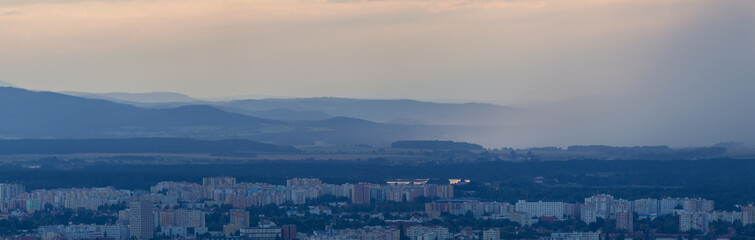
x=427 y=233
x=491 y=234
x=573 y=236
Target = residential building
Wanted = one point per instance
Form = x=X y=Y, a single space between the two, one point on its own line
x=693 y=221
x=573 y=236
x=625 y=221
x=239 y=219
x=288 y=232
x=10 y=190
x=646 y=206
x=142 y=222
x=748 y=214
x=541 y=209
x=427 y=233
x=265 y=230
x=600 y=205
x=360 y=193
x=491 y=234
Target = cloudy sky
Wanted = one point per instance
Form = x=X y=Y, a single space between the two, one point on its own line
x=684 y=66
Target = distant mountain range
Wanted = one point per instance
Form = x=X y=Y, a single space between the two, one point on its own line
x=385 y=111
x=45 y=114
x=6 y=84
x=26 y=114
x=407 y=112
x=138 y=98
x=31 y=114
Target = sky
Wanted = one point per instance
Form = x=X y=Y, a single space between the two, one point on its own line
x=685 y=67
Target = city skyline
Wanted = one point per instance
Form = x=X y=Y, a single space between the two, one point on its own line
x=187 y=209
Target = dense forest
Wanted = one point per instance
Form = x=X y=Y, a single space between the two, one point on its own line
x=436 y=145
x=650 y=152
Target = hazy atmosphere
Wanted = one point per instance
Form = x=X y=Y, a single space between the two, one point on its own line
x=377 y=119
x=580 y=72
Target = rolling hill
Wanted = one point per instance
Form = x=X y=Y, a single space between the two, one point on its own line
x=31 y=114
x=404 y=111
x=6 y=84
x=137 y=98
x=383 y=111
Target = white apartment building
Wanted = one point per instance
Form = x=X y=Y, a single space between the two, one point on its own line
x=541 y=209
x=427 y=233
x=693 y=220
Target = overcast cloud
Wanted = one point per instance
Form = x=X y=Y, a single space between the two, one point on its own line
x=616 y=72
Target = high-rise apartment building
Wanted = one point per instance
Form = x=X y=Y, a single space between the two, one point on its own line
x=625 y=221
x=10 y=190
x=360 y=193
x=288 y=232
x=693 y=221
x=600 y=205
x=304 y=183
x=541 y=209
x=142 y=223
x=219 y=181
x=698 y=205
x=748 y=214
x=239 y=218
x=646 y=206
